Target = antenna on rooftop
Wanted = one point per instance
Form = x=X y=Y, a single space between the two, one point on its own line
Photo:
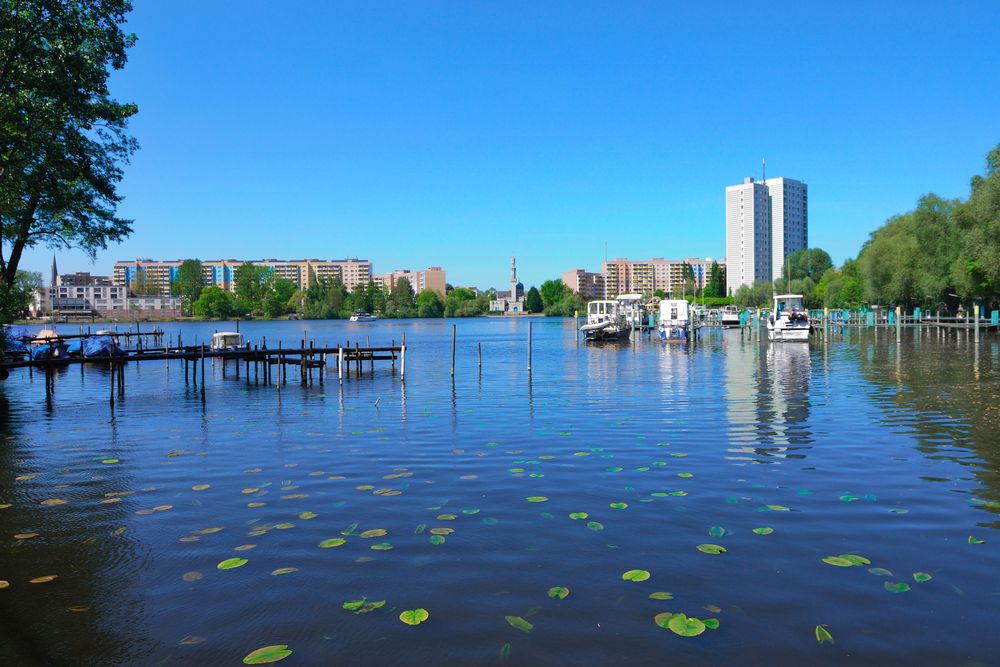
x=763 y=169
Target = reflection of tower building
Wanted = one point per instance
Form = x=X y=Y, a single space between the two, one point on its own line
x=512 y=302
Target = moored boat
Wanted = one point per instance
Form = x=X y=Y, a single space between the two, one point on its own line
x=227 y=340
x=675 y=318
x=605 y=321
x=789 y=321
x=362 y=316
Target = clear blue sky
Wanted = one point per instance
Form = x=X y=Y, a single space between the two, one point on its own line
x=459 y=133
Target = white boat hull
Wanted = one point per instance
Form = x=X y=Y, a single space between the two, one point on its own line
x=788 y=334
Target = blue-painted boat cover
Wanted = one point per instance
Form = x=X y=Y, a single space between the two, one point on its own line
x=100 y=346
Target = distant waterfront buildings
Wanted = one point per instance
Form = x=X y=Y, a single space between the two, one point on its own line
x=765 y=222
x=431 y=278
x=626 y=276
x=511 y=302
x=86 y=295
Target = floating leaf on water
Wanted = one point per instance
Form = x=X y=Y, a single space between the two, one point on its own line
x=437 y=540
x=446 y=517
x=374 y=532
x=230 y=563
x=763 y=530
x=711 y=623
x=505 y=652
x=894 y=587
x=414 y=616
x=774 y=508
x=663 y=619
x=210 y=531
x=284 y=525
x=636 y=575
x=856 y=559
x=713 y=549
x=661 y=595
x=354 y=605
x=163 y=508
x=685 y=475
x=880 y=571
x=678 y=493
x=332 y=542
x=25 y=536
x=470 y=511
x=256 y=504
x=578 y=516
x=974 y=540
x=4 y=506
x=848 y=498
x=595 y=525
x=686 y=626
x=350 y=529
x=364 y=487
x=110 y=501
x=558 y=592
x=619 y=505
x=536 y=499
x=267 y=655
x=899 y=510
x=823 y=635
x=54 y=501
x=4 y=583
x=442 y=531
x=192 y=576
x=44 y=580
x=519 y=623
x=382 y=546
x=921 y=577
x=838 y=561
x=109 y=461
x=191 y=640
x=284 y=570
x=307 y=515
x=420 y=529
x=716 y=531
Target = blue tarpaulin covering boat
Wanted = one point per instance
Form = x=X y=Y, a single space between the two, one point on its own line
x=100 y=346
x=74 y=347
x=49 y=352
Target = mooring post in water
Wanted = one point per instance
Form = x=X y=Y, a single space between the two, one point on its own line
x=453 y=328
x=111 y=385
x=402 y=360
x=340 y=364
x=479 y=349
x=529 y=346
x=975 y=317
x=203 y=371
x=392 y=354
x=899 y=323
x=826 y=322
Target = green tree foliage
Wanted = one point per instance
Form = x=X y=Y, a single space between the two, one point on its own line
x=716 y=285
x=429 y=304
x=14 y=302
x=401 y=301
x=553 y=292
x=810 y=263
x=462 y=302
x=570 y=303
x=251 y=284
x=324 y=299
x=757 y=296
x=278 y=298
x=533 y=301
x=214 y=303
x=63 y=138
x=141 y=285
x=188 y=282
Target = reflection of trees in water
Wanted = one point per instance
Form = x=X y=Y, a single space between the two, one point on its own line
x=767 y=400
x=86 y=616
x=950 y=392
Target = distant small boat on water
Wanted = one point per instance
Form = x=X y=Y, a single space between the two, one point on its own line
x=227 y=340
x=362 y=316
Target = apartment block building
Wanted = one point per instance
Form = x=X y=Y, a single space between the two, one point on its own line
x=303 y=272
x=84 y=295
x=432 y=278
x=626 y=276
x=587 y=284
x=765 y=222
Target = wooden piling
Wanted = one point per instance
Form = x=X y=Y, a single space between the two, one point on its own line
x=453 y=329
x=529 y=346
x=479 y=348
x=402 y=360
x=975 y=316
x=340 y=364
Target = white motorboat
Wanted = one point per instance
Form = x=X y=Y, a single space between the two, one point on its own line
x=675 y=318
x=606 y=321
x=362 y=316
x=227 y=340
x=633 y=309
x=789 y=321
x=729 y=317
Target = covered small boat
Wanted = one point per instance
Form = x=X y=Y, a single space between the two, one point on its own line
x=49 y=352
x=101 y=347
x=228 y=340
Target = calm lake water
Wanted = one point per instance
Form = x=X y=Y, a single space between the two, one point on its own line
x=857 y=449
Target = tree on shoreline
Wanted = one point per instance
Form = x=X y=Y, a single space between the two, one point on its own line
x=64 y=140
x=189 y=282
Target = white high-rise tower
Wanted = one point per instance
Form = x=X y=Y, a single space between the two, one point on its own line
x=765 y=222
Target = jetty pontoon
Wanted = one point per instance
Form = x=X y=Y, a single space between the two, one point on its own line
x=606 y=321
x=789 y=321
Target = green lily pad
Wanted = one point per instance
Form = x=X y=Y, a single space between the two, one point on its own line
x=558 y=592
x=711 y=623
x=230 y=563
x=437 y=540
x=894 y=587
x=332 y=542
x=284 y=526
x=519 y=623
x=663 y=619
x=685 y=475
x=838 y=561
x=921 y=577
x=595 y=525
x=284 y=570
x=414 y=616
x=374 y=532
x=619 y=506
x=536 y=499
x=855 y=559
x=975 y=540
x=267 y=655
x=636 y=575
x=880 y=571
x=716 y=531
x=578 y=516
x=822 y=635
x=678 y=493
x=763 y=530
x=713 y=549
x=686 y=626
x=661 y=595
x=382 y=546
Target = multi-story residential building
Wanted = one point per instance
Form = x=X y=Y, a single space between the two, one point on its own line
x=765 y=222
x=303 y=272
x=85 y=295
x=626 y=276
x=432 y=278
x=587 y=284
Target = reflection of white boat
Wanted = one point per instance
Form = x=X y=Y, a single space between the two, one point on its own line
x=227 y=340
x=605 y=321
x=730 y=317
x=789 y=321
x=675 y=318
x=362 y=316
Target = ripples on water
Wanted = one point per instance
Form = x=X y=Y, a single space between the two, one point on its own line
x=877 y=449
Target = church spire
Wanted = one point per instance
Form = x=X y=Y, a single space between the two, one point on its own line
x=55 y=273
